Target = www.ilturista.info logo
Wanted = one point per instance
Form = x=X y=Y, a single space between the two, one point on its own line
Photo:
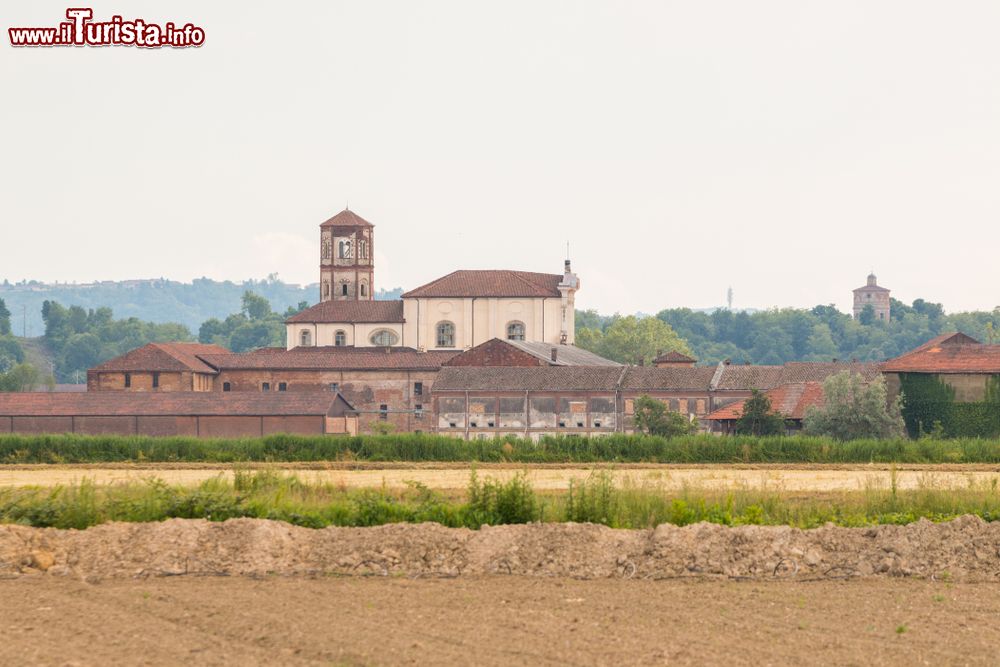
x=80 y=30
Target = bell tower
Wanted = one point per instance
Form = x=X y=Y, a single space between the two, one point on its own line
x=347 y=258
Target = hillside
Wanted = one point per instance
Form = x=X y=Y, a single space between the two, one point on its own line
x=155 y=300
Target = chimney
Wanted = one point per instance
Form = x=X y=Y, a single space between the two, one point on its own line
x=555 y=354
x=727 y=362
x=567 y=268
x=835 y=360
x=642 y=362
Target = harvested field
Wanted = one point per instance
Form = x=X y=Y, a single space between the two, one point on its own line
x=816 y=478
x=966 y=549
x=495 y=621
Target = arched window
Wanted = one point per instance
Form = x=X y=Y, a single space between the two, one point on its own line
x=326 y=288
x=364 y=289
x=340 y=338
x=305 y=338
x=362 y=249
x=515 y=331
x=343 y=289
x=340 y=250
x=445 y=334
x=384 y=338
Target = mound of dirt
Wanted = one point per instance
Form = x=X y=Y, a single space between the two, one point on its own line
x=964 y=549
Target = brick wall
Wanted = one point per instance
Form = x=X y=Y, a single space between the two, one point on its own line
x=366 y=391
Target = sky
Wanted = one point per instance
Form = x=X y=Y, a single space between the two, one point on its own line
x=784 y=149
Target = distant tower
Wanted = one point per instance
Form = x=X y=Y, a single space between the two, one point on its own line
x=873 y=295
x=729 y=298
x=346 y=258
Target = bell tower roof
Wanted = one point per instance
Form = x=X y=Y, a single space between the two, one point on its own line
x=347 y=218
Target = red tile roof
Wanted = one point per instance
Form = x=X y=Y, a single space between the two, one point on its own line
x=650 y=378
x=163 y=357
x=948 y=353
x=500 y=283
x=347 y=218
x=332 y=359
x=743 y=378
x=334 y=312
x=537 y=378
x=789 y=400
x=118 y=403
x=674 y=357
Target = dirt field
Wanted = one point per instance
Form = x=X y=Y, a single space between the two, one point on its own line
x=495 y=620
x=785 y=478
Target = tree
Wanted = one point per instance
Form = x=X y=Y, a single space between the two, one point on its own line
x=256 y=307
x=758 y=418
x=22 y=377
x=855 y=409
x=653 y=417
x=634 y=340
x=4 y=319
x=867 y=316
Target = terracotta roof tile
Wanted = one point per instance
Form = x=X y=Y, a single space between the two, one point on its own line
x=332 y=358
x=948 y=353
x=117 y=403
x=346 y=218
x=539 y=378
x=744 y=378
x=499 y=283
x=334 y=312
x=790 y=400
x=650 y=378
x=163 y=357
x=674 y=357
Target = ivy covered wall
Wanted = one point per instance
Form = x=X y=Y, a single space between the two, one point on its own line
x=927 y=400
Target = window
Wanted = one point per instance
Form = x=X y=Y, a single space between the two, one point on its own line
x=265 y=386
x=282 y=386
x=343 y=289
x=226 y=386
x=384 y=338
x=326 y=289
x=335 y=386
x=156 y=380
x=418 y=388
x=383 y=412
x=128 y=380
x=344 y=249
x=362 y=249
x=445 y=334
x=418 y=412
x=305 y=338
x=364 y=289
x=515 y=331
x=340 y=338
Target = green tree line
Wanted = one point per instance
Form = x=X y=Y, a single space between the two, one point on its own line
x=776 y=336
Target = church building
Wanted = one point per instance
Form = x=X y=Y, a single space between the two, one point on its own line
x=455 y=312
x=872 y=295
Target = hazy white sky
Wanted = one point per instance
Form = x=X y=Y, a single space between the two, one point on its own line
x=783 y=148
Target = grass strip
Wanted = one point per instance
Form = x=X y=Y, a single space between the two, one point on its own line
x=596 y=498
x=566 y=449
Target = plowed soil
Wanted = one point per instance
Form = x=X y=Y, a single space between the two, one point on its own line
x=966 y=549
x=493 y=620
x=542 y=478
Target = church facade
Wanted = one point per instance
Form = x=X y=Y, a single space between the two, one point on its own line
x=455 y=312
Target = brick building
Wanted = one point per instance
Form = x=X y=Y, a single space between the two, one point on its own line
x=383 y=385
x=791 y=401
x=871 y=294
x=196 y=414
x=961 y=362
x=532 y=401
x=161 y=367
